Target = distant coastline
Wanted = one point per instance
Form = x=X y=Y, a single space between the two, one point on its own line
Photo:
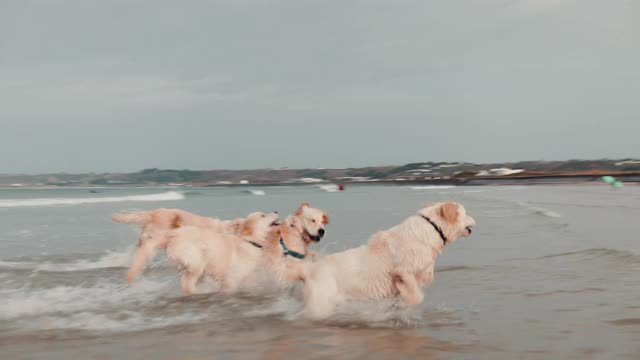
x=427 y=173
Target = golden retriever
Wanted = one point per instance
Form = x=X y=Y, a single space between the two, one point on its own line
x=286 y=249
x=395 y=262
x=228 y=258
x=156 y=223
x=232 y=259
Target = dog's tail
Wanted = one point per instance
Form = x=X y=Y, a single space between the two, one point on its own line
x=141 y=217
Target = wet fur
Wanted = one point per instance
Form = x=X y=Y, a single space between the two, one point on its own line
x=218 y=248
x=228 y=258
x=234 y=262
x=156 y=223
x=396 y=262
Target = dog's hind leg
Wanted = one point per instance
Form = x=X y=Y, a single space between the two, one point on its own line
x=408 y=287
x=145 y=251
x=229 y=285
x=189 y=281
x=189 y=258
x=191 y=274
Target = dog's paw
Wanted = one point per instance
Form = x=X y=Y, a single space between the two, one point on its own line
x=130 y=278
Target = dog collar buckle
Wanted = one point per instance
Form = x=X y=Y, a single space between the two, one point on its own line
x=286 y=251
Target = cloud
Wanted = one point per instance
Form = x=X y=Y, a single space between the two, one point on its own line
x=535 y=7
x=86 y=80
x=116 y=84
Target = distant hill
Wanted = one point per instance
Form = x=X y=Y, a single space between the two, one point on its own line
x=410 y=172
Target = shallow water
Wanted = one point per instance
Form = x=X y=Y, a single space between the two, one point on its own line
x=550 y=272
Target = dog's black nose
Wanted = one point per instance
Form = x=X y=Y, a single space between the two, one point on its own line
x=275 y=212
x=321 y=232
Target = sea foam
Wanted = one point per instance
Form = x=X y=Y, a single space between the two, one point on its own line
x=39 y=202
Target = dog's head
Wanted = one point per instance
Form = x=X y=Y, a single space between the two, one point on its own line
x=256 y=226
x=310 y=222
x=451 y=217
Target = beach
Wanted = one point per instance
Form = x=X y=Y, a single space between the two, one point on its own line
x=549 y=272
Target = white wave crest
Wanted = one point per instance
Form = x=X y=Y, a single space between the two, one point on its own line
x=432 y=187
x=540 y=211
x=16 y=264
x=115 y=322
x=545 y=212
x=112 y=259
x=166 y=196
x=329 y=187
x=69 y=299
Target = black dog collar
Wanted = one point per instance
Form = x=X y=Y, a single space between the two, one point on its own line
x=438 y=229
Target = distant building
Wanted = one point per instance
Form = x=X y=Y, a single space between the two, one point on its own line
x=628 y=162
x=354 y=178
x=499 y=172
x=444 y=166
x=418 y=171
x=307 y=180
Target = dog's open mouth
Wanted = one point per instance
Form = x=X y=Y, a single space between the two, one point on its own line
x=275 y=223
x=315 y=238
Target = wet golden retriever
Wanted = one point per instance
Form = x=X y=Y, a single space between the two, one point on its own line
x=228 y=258
x=395 y=262
x=156 y=223
x=233 y=259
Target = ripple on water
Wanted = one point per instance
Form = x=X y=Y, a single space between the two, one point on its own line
x=624 y=322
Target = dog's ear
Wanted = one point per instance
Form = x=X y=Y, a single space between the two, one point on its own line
x=301 y=208
x=235 y=227
x=325 y=218
x=449 y=211
x=176 y=222
x=247 y=228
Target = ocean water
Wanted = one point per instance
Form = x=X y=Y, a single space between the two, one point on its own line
x=550 y=272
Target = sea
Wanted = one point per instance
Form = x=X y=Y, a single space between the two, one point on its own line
x=550 y=272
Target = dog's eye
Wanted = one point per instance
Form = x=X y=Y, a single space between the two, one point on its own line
x=263 y=215
x=313 y=221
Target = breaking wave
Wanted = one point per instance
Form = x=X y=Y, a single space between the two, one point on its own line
x=165 y=196
x=432 y=187
x=598 y=253
x=112 y=259
x=540 y=211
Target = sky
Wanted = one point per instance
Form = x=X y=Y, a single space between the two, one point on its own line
x=96 y=86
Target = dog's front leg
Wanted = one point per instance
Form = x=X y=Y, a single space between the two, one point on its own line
x=295 y=271
x=189 y=281
x=144 y=252
x=425 y=277
x=408 y=288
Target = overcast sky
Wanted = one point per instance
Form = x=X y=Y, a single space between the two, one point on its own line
x=125 y=85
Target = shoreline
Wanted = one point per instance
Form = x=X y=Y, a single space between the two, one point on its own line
x=505 y=181
x=419 y=173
